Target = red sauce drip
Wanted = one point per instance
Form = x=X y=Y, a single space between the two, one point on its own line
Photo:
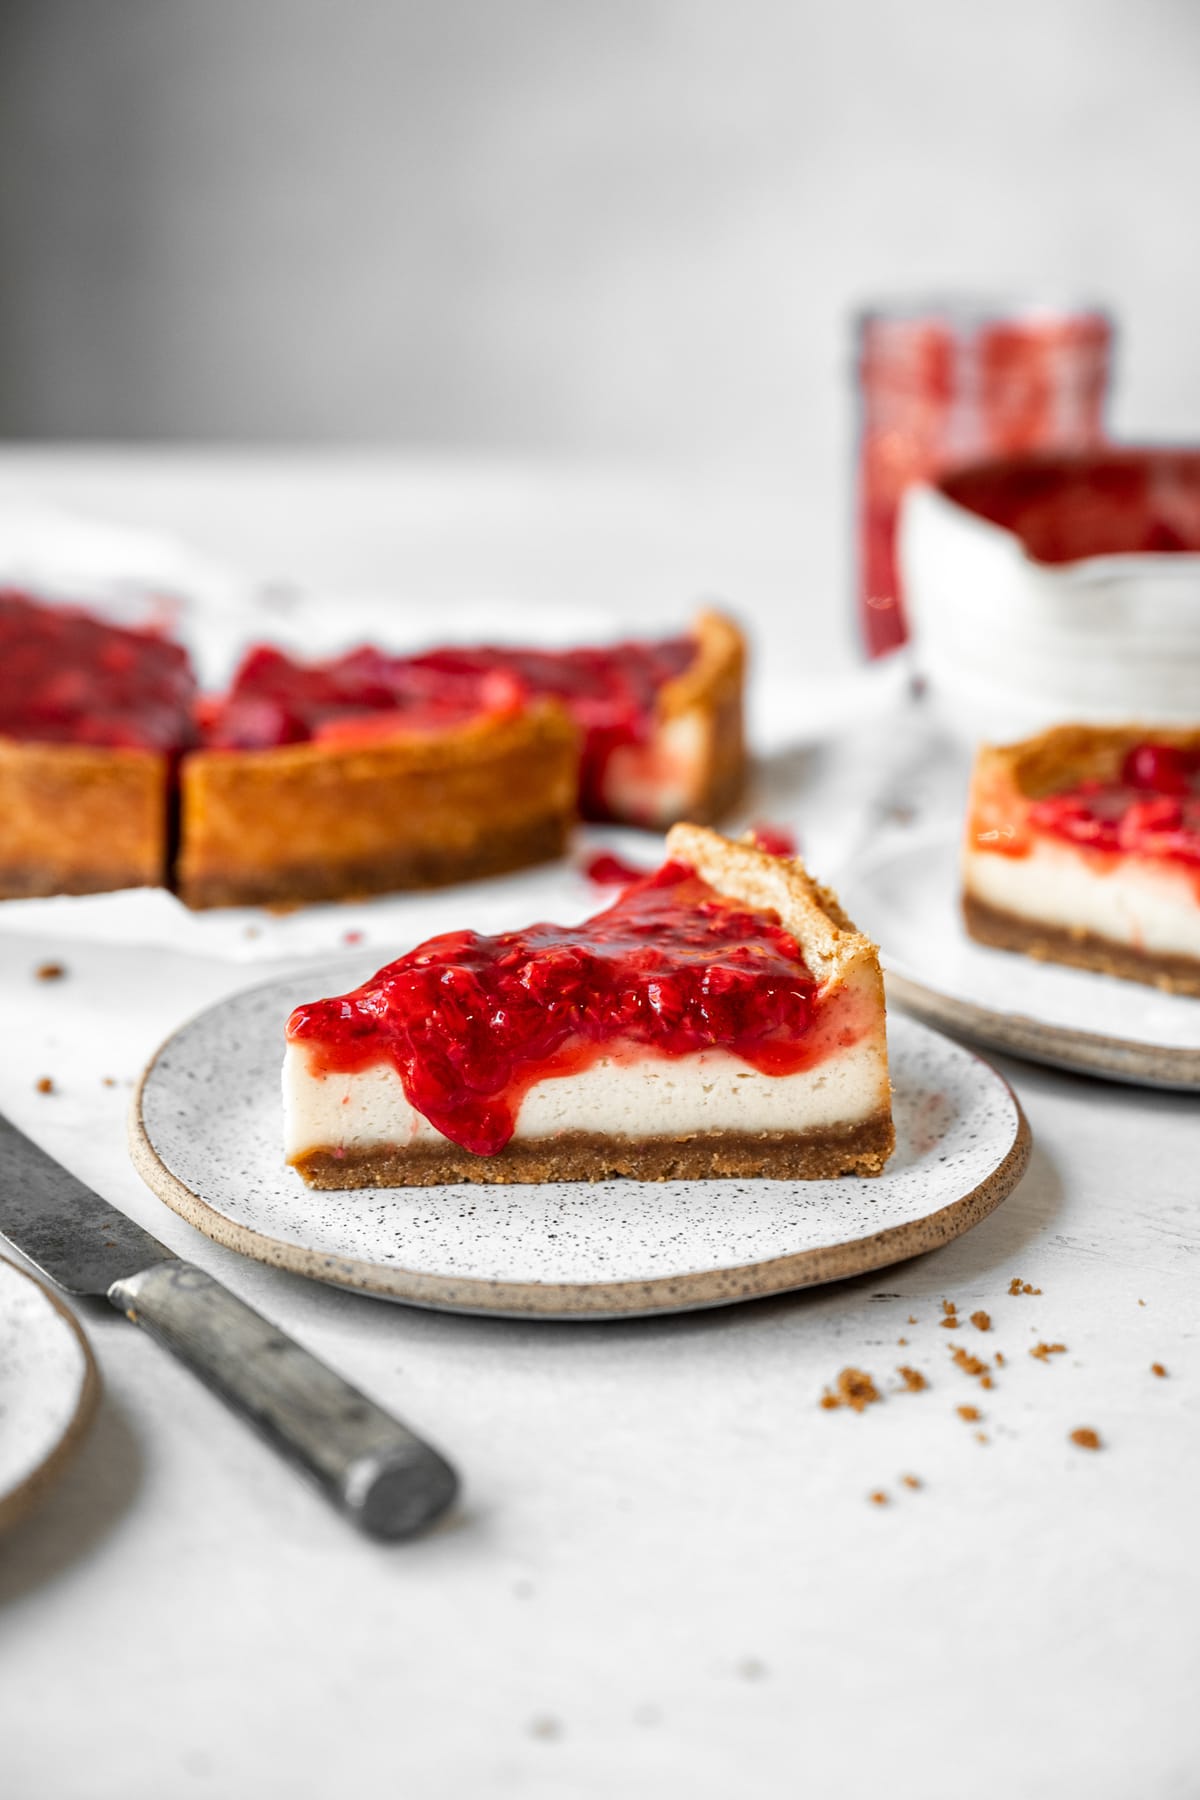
x=1153 y=810
x=69 y=678
x=611 y=694
x=470 y=1023
x=607 y=870
x=776 y=840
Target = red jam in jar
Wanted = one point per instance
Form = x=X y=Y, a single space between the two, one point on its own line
x=942 y=387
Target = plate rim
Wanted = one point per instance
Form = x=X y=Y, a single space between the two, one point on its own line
x=1137 y=1062
x=591 y=1300
x=19 y=1501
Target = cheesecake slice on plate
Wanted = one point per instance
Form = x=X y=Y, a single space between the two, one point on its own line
x=1083 y=847
x=722 y=1018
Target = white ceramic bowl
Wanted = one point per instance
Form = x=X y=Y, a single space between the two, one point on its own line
x=1057 y=588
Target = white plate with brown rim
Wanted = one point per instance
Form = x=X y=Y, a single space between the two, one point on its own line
x=48 y=1390
x=206 y=1135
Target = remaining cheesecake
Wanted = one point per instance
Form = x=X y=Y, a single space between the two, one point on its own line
x=371 y=772
x=93 y=719
x=364 y=773
x=1083 y=847
x=722 y=1018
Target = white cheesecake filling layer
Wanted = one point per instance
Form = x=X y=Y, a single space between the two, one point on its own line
x=658 y=782
x=652 y=1097
x=1143 y=905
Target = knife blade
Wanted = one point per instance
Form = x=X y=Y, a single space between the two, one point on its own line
x=374 y=1470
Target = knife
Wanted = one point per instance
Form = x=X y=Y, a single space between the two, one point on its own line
x=376 y=1472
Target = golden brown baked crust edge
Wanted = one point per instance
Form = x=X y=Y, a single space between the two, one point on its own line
x=324 y=822
x=80 y=819
x=1067 y=754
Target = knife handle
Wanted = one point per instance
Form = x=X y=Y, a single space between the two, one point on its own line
x=385 y=1480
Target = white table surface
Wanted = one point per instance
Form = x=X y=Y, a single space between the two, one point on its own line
x=666 y=1576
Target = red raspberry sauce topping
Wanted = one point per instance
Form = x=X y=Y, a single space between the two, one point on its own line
x=1152 y=810
x=610 y=693
x=607 y=870
x=68 y=678
x=470 y=1023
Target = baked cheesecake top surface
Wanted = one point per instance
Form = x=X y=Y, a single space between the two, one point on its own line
x=610 y=693
x=68 y=677
x=470 y=1023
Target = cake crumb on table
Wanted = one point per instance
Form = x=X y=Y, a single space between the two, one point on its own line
x=44 y=1085
x=1157 y=1369
x=981 y=1321
x=913 y=1379
x=911 y=1481
x=902 y=1340
x=1086 y=1438
x=1017 y=1286
x=878 y=1498
x=999 y=1359
x=545 y=1727
x=969 y=1413
x=913 y=1320
x=853 y=1388
x=970 y=1365
x=981 y=1437
x=50 y=971
x=1043 y=1352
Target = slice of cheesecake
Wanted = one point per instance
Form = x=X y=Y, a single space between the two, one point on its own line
x=1083 y=847
x=723 y=1018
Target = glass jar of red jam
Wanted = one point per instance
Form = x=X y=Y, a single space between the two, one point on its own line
x=940 y=386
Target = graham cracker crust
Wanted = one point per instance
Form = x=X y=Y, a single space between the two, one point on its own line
x=1079 y=949
x=860 y=1149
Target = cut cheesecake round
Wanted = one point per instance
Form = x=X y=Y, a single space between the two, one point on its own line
x=723 y=1018
x=1083 y=847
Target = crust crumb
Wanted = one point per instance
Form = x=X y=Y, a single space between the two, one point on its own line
x=1043 y=1352
x=981 y=1321
x=1017 y=1286
x=970 y=1365
x=853 y=1388
x=878 y=1498
x=1157 y=1369
x=969 y=1413
x=50 y=971
x=1086 y=1438
x=911 y=1481
x=913 y=1379
x=44 y=1085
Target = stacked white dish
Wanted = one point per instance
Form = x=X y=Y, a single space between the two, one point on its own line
x=1054 y=589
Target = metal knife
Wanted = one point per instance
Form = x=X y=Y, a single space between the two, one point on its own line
x=376 y=1472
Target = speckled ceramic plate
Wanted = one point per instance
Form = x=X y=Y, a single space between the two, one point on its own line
x=206 y=1136
x=908 y=901
x=48 y=1390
